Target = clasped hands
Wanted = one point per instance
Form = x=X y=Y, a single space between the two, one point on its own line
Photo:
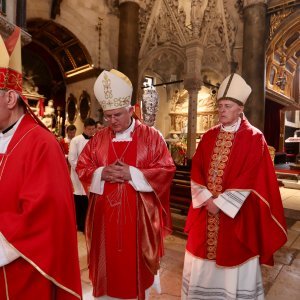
x=117 y=172
x=211 y=206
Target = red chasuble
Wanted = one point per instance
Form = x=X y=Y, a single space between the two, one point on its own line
x=125 y=228
x=259 y=227
x=38 y=218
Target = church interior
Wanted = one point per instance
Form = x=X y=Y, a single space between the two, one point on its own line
x=183 y=49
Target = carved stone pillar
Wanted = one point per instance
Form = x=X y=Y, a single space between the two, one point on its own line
x=129 y=42
x=254 y=40
x=21 y=13
x=192 y=83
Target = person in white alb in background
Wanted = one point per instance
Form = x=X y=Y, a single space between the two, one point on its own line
x=76 y=146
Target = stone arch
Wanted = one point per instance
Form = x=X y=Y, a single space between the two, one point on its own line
x=153 y=61
x=60 y=43
x=54 y=58
x=211 y=76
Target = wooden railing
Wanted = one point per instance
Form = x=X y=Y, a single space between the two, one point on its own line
x=180 y=197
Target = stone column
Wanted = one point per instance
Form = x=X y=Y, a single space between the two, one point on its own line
x=129 y=47
x=254 y=40
x=21 y=13
x=192 y=83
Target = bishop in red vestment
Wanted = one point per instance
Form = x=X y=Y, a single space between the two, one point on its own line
x=128 y=170
x=236 y=220
x=37 y=261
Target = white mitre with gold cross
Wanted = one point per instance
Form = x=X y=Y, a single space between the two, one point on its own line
x=113 y=90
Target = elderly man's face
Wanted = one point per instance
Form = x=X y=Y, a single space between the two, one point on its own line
x=118 y=119
x=229 y=112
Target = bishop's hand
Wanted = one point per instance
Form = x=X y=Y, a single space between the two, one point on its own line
x=211 y=206
x=125 y=170
x=117 y=172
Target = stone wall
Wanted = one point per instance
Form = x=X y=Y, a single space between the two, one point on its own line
x=81 y=17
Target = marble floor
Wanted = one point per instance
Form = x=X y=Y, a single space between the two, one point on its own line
x=280 y=282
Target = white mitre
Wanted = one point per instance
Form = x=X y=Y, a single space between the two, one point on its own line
x=113 y=90
x=234 y=88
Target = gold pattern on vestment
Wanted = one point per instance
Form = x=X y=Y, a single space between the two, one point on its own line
x=218 y=163
x=11 y=79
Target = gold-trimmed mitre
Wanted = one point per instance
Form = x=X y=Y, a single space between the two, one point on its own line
x=113 y=90
x=10 y=62
x=234 y=88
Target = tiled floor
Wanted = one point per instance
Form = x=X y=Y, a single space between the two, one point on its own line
x=281 y=282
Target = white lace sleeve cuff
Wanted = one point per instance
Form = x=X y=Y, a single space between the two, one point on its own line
x=97 y=186
x=138 y=180
x=231 y=202
x=199 y=194
x=7 y=252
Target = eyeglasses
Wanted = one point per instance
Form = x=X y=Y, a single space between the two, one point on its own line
x=116 y=116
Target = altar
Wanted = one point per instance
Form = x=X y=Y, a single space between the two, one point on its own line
x=207 y=117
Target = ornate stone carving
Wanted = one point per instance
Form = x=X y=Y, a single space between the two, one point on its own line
x=239 y=5
x=161 y=24
x=113 y=6
x=208 y=16
x=167 y=64
x=144 y=17
x=196 y=17
x=218 y=35
x=193 y=84
x=179 y=98
x=206 y=111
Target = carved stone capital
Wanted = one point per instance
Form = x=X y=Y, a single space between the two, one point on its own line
x=192 y=84
x=254 y=2
x=194 y=54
